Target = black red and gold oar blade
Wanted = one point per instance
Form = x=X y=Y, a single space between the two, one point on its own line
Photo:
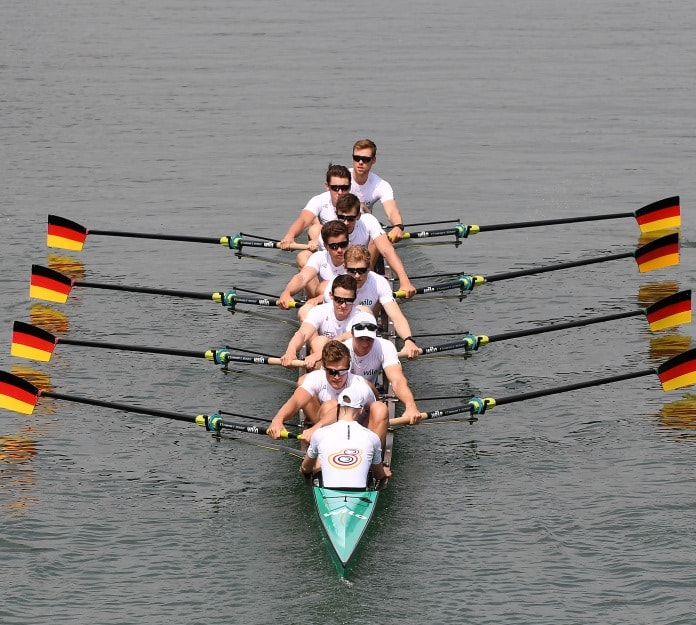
x=670 y=311
x=661 y=215
x=65 y=234
x=16 y=394
x=658 y=254
x=679 y=371
x=31 y=342
x=49 y=285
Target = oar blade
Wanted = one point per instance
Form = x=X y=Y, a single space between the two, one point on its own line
x=31 y=342
x=16 y=394
x=65 y=234
x=49 y=285
x=661 y=215
x=671 y=311
x=658 y=254
x=678 y=371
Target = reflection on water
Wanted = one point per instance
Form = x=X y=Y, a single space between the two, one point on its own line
x=49 y=319
x=16 y=478
x=664 y=347
x=646 y=237
x=680 y=415
x=654 y=291
x=71 y=267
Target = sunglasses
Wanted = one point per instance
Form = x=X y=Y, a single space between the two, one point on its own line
x=359 y=270
x=343 y=300
x=362 y=159
x=348 y=218
x=341 y=245
x=372 y=327
x=336 y=372
x=339 y=187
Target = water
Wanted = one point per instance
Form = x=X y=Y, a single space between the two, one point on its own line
x=215 y=118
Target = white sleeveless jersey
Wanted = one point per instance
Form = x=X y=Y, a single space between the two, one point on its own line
x=346 y=450
x=367 y=229
x=316 y=384
x=382 y=354
x=322 y=317
x=375 y=189
x=376 y=290
x=321 y=262
x=321 y=207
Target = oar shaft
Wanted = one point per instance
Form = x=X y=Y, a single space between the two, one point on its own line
x=133 y=348
x=504 y=336
x=552 y=222
x=572 y=387
x=569 y=265
x=137 y=289
x=161 y=237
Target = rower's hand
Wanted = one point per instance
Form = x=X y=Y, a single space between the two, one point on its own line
x=287 y=358
x=311 y=361
x=285 y=299
x=387 y=471
x=396 y=234
x=411 y=350
x=313 y=246
x=407 y=288
x=307 y=434
x=275 y=428
x=414 y=415
x=285 y=242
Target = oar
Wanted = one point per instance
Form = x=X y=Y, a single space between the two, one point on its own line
x=668 y=312
x=53 y=286
x=19 y=395
x=69 y=235
x=34 y=343
x=661 y=215
x=657 y=254
x=674 y=373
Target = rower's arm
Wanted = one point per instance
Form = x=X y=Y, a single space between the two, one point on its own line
x=298 y=282
x=298 y=400
x=298 y=226
x=392 y=211
x=302 y=336
x=387 y=250
x=402 y=390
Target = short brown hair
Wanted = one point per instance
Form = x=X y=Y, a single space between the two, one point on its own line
x=357 y=254
x=332 y=229
x=344 y=281
x=337 y=171
x=335 y=351
x=364 y=144
x=348 y=203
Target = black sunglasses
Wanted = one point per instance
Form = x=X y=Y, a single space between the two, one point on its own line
x=362 y=159
x=337 y=246
x=343 y=300
x=346 y=217
x=335 y=372
x=372 y=327
x=339 y=187
x=359 y=270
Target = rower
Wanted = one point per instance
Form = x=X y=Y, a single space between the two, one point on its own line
x=323 y=387
x=365 y=230
x=370 y=188
x=375 y=292
x=371 y=354
x=322 y=267
x=320 y=209
x=345 y=451
x=325 y=322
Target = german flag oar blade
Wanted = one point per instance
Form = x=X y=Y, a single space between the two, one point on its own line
x=661 y=215
x=31 y=342
x=17 y=394
x=658 y=254
x=679 y=371
x=671 y=311
x=65 y=234
x=49 y=285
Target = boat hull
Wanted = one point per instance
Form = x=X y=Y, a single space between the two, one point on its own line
x=344 y=515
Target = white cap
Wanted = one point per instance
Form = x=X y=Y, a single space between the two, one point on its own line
x=345 y=400
x=364 y=317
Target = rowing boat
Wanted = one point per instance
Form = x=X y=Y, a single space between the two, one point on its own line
x=345 y=513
